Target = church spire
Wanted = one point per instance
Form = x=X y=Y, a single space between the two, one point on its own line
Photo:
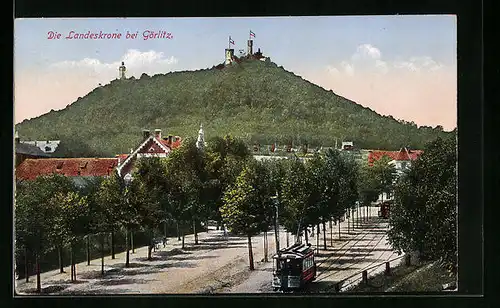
x=200 y=143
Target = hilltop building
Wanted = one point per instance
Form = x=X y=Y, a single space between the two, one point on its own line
x=230 y=58
x=121 y=71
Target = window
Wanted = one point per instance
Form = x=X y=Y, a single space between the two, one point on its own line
x=308 y=262
x=59 y=165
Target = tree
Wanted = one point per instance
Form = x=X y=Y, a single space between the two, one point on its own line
x=334 y=172
x=89 y=187
x=294 y=197
x=248 y=205
x=119 y=206
x=348 y=193
x=110 y=200
x=34 y=217
x=367 y=185
x=70 y=222
x=276 y=176
x=317 y=206
x=423 y=217
x=130 y=214
x=384 y=174
x=226 y=158
x=151 y=176
x=106 y=211
x=188 y=177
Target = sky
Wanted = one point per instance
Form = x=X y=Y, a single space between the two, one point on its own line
x=404 y=66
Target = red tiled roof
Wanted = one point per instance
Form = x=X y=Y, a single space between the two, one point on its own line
x=121 y=157
x=150 y=147
x=32 y=168
x=402 y=154
x=177 y=143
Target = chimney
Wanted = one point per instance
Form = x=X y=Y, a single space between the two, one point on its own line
x=145 y=134
x=158 y=133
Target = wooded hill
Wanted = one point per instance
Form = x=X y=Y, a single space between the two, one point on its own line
x=255 y=100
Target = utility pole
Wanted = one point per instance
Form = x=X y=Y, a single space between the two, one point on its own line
x=276 y=225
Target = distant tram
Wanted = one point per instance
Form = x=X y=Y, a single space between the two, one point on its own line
x=293 y=267
x=385 y=209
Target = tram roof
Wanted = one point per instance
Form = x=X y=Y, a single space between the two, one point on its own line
x=296 y=251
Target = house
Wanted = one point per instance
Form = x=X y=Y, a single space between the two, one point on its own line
x=25 y=151
x=347 y=145
x=153 y=145
x=48 y=146
x=401 y=160
x=78 y=169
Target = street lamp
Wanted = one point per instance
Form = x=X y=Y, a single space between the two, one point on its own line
x=127 y=179
x=276 y=223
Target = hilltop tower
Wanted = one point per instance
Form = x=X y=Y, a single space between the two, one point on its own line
x=229 y=56
x=250 y=47
x=200 y=143
x=121 y=71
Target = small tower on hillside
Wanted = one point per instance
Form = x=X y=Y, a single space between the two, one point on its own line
x=250 y=47
x=229 y=56
x=121 y=70
x=200 y=143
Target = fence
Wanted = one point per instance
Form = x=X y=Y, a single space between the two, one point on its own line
x=364 y=274
x=50 y=260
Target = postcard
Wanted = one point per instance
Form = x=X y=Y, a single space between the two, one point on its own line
x=256 y=155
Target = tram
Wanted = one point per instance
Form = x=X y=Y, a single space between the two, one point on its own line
x=293 y=267
x=385 y=209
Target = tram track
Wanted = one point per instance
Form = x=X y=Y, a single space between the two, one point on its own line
x=355 y=259
x=325 y=273
x=370 y=235
x=364 y=234
x=378 y=258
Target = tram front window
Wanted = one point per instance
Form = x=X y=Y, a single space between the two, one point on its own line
x=289 y=267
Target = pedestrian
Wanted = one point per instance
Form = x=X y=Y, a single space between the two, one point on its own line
x=164 y=241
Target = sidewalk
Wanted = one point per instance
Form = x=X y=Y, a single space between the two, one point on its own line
x=139 y=255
